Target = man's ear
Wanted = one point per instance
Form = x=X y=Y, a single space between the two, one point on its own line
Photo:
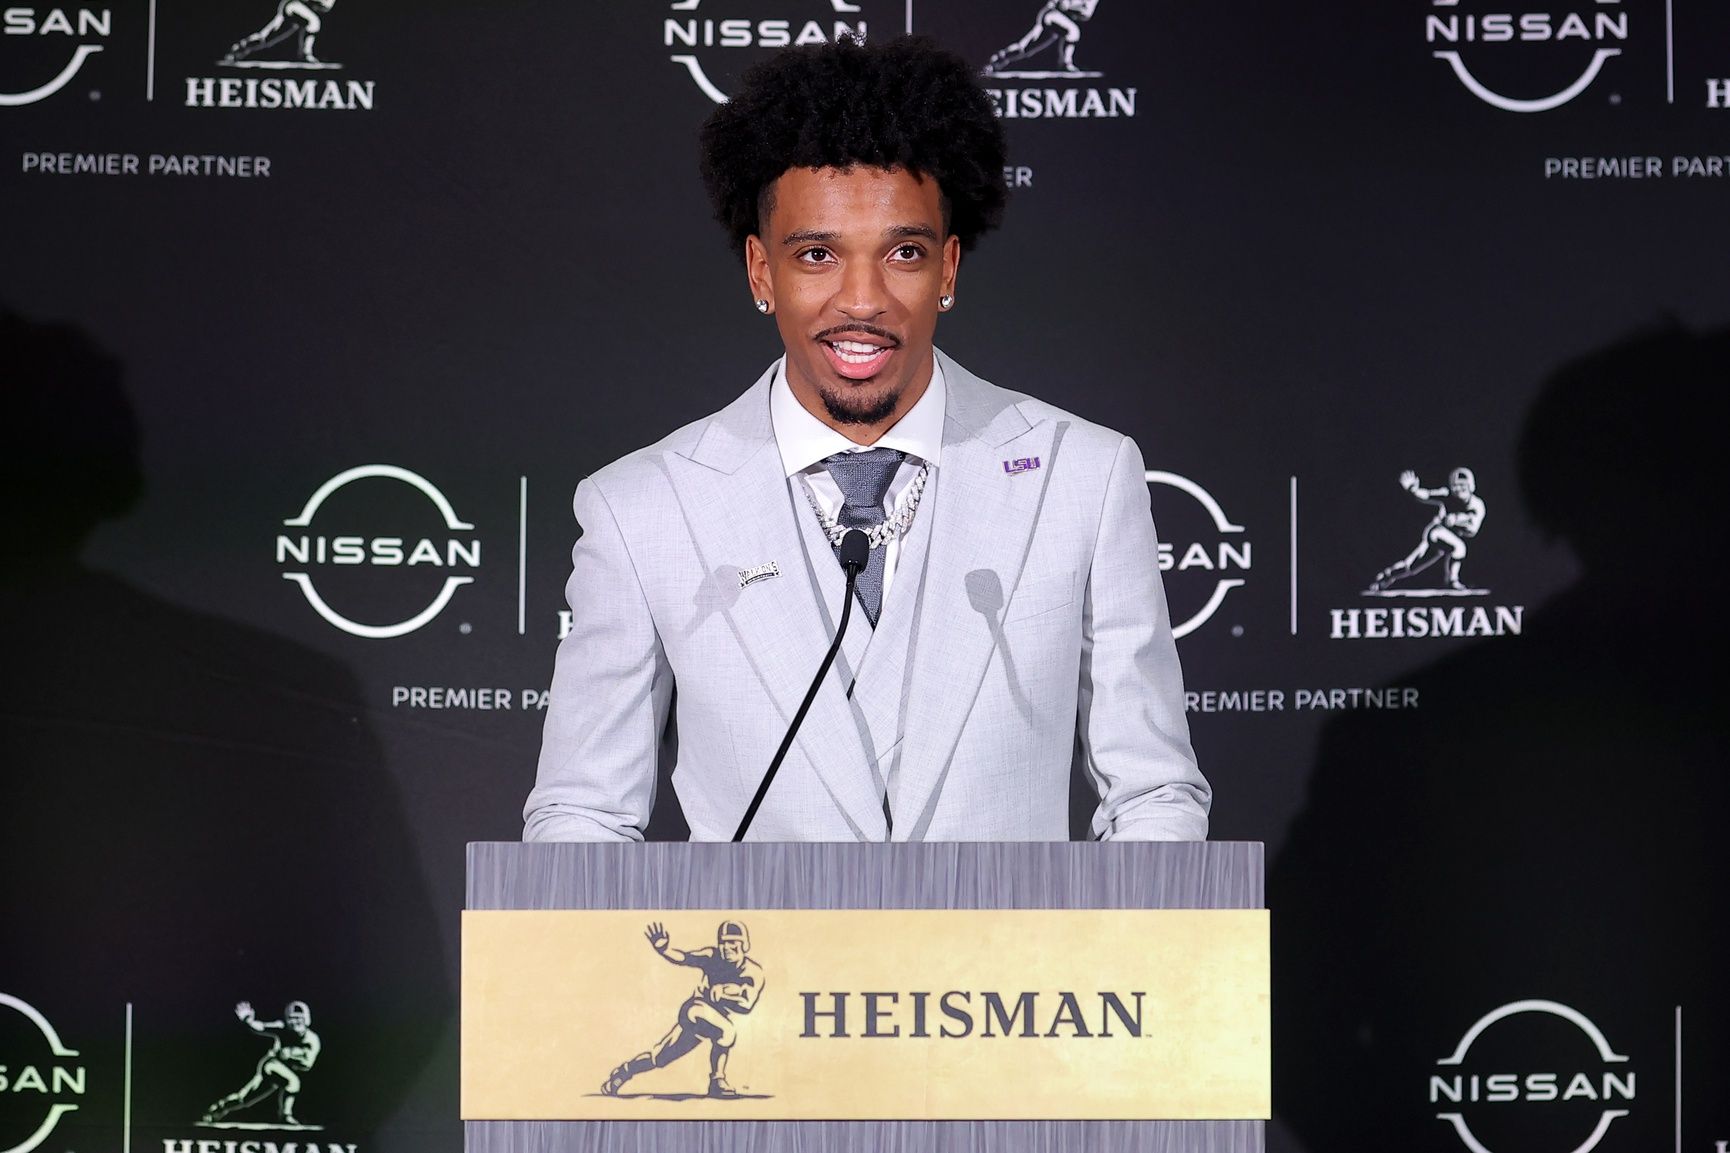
x=757 y=271
x=951 y=263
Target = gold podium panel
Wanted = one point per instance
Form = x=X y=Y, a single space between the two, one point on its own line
x=1126 y=1014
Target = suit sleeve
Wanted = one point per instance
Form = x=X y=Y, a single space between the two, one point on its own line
x=611 y=690
x=1133 y=735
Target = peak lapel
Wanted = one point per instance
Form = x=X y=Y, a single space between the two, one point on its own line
x=981 y=530
x=738 y=511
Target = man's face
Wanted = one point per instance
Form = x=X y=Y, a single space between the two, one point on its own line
x=298 y=1020
x=1461 y=485
x=732 y=952
x=852 y=262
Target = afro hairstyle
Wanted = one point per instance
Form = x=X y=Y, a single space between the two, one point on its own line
x=903 y=104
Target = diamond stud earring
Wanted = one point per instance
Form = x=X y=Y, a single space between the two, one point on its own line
x=763 y=307
x=945 y=303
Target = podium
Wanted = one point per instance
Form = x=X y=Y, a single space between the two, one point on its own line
x=1036 y=997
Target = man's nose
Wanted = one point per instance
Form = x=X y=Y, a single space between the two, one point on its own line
x=863 y=294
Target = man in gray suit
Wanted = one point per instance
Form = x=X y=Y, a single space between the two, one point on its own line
x=1010 y=620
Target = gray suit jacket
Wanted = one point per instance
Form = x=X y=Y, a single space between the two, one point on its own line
x=1026 y=627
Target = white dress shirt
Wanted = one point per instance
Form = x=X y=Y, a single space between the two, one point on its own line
x=804 y=441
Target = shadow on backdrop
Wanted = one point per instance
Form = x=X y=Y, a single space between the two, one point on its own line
x=194 y=814
x=1548 y=825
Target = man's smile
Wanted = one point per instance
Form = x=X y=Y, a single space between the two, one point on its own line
x=855 y=359
x=858 y=352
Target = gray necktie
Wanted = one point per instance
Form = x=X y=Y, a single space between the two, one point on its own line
x=863 y=478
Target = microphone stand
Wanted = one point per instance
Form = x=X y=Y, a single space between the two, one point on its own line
x=855 y=551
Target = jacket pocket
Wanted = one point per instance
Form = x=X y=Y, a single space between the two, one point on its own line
x=1039 y=596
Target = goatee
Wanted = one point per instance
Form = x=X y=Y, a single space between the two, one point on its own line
x=844 y=410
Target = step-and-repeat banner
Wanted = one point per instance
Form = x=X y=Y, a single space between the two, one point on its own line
x=313 y=314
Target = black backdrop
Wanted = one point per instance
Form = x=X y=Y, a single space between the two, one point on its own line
x=1313 y=257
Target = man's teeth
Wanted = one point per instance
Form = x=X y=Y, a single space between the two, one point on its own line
x=853 y=352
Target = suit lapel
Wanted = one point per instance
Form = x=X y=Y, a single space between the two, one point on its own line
x=982 y=526
x=735 y=497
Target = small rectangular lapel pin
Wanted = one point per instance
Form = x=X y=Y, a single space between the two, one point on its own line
x=1024 y=464
x=750 y=576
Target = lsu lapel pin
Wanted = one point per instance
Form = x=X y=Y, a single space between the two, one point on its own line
x=750 y=576
x=1023 y=464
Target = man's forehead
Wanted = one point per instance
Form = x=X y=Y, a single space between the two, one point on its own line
x=869 y=172
x=860 y=193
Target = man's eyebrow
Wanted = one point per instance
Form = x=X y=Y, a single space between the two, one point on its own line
x=893 y=232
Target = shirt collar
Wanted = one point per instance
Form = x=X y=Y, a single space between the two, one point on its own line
x=804 y=440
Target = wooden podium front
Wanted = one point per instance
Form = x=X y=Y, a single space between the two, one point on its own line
x=815 y=997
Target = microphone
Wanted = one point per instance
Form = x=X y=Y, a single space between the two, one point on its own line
x=855 y=551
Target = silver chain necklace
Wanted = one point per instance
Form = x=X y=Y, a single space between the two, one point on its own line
x=879 y=535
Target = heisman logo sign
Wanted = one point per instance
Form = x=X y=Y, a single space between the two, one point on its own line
x=280 y=1072
x=281 y=67
x=1045 y=54
x=1057 y=24
x=1433 y=572
x=728 y=986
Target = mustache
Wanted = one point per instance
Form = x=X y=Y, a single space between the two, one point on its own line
x=859 y=326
